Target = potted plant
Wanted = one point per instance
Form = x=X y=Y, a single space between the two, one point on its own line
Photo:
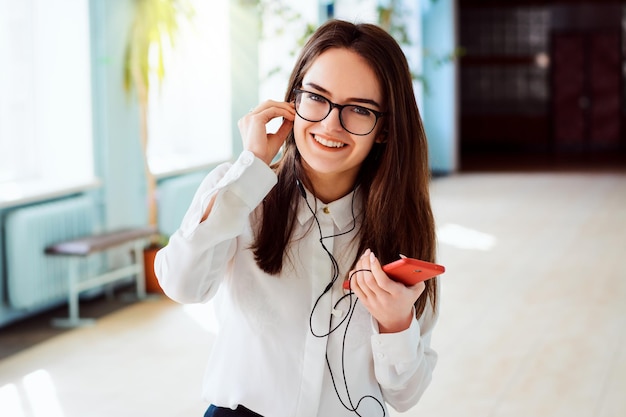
x=155 y=26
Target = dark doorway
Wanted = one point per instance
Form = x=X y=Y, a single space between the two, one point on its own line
x=541 y=83
x=586 y=91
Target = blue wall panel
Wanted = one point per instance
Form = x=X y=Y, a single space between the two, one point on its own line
x=440 y=102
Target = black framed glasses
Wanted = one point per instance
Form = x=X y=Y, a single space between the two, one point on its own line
x=355 y=119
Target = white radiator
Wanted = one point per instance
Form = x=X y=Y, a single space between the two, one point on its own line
x=34 y=279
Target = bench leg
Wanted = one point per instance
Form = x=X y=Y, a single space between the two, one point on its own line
x=140 y=276
x=74 y=319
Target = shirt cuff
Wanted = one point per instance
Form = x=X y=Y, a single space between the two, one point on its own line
x=250 y=179
x=398 y=350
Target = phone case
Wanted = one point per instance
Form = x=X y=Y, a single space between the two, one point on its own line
x=411 y=271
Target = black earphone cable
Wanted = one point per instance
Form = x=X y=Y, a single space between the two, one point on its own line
x=352 y=407
x=335 y=275
x=334 y=263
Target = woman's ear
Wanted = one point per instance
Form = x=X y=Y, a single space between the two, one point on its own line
x=382 y=137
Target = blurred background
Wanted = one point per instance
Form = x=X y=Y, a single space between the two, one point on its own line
x=113 y=111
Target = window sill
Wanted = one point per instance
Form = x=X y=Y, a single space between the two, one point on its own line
x=163 y=171
x=26 y=192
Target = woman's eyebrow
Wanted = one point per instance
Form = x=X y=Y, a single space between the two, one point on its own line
x=352 y=99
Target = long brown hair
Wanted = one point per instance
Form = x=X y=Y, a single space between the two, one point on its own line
x=394 y=178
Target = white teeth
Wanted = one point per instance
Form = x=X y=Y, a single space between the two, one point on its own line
x=329 y=143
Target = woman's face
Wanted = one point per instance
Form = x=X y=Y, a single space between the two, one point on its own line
x=329 y=152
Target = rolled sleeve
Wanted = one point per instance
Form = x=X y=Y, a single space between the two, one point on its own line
x=249 y=178
x=253 y=180
x=396 y=353
x=404 y=361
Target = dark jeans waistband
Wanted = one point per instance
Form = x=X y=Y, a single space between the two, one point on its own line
x=240 y=411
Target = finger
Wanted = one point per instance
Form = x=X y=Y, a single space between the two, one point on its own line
x=364 y=277
x=382 y=279
x=266 y=115
x=359 y=287
x=354 y=284
x=289 y=107
x=276 y=140
x=283 y=130
x=418 y=289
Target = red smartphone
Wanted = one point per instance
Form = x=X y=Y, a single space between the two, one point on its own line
x=409 y=271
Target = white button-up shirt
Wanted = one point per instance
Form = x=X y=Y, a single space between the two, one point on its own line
x=271 y=352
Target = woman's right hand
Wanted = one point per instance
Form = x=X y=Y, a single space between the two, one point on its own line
x=252 y=127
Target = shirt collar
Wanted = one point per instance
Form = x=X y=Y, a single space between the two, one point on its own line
x=340 y=210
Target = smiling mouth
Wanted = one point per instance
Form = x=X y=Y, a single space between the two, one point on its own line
x=328 y=143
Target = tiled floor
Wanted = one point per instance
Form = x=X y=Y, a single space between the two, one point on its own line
x=28 y=332
x=533 y=319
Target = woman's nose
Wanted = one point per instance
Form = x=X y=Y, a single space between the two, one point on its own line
x=332 y=121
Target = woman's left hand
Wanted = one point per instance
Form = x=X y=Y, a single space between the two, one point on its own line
x=388 y=301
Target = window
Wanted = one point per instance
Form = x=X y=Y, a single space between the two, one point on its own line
x=45 y=95
x=189 y=119
x=284 y=29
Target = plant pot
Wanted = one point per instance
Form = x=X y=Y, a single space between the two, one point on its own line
x=152 y=284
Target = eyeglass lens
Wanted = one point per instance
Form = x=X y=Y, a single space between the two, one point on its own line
x=315 y=108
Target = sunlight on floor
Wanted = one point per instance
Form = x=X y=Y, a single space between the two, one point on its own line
x=465 y=238
x=10 y=400
x=40 y=396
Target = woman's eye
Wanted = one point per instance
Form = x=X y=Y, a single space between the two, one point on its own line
x=361 y=111
x=316 y=97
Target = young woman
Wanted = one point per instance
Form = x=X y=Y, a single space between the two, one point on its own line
x=272 y=244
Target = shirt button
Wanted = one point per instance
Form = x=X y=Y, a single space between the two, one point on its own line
x=326 y=210
x=381 y=356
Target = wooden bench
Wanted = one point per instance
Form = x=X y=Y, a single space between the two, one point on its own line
x=76 y=250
